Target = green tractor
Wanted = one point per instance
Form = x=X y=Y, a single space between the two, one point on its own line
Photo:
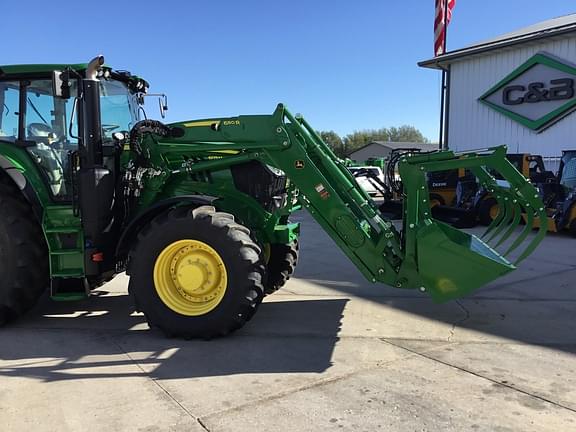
x=197 y=213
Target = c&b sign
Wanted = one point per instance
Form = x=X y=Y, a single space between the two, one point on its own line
x=537 y=94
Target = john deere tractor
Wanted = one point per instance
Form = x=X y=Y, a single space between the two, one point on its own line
x=198 y=212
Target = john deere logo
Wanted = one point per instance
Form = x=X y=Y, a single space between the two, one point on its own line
x=537 y=94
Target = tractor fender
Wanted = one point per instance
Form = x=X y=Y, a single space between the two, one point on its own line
x=9 y=170
x=131 y=231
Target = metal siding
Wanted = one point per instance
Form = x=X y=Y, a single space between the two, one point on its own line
x=474 y=125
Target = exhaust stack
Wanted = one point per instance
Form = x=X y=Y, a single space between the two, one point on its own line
x=93 y=67
x=95 y=180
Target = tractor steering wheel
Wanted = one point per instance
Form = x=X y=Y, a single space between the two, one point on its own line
x=109 y=127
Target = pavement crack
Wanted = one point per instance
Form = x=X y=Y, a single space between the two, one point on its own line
x=312 y=385
x=285 y=393
x=476 y=374
x=201 y=423
x=460 y=321
x=159 y=385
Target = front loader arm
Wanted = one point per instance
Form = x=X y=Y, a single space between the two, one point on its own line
x=424 y=253
x=332 y=196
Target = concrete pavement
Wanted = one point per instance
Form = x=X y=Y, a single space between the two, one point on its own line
x=329 y=352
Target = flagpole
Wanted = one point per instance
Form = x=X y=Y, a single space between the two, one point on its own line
x=442 y=95
x=441 y=143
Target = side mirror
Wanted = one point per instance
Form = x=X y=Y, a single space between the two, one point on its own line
x=61 y=84
x=162 y=101
x=163 y=104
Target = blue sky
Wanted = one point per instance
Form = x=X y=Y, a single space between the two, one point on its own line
x=346 y=65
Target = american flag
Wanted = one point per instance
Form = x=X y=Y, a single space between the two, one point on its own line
x=440 y=27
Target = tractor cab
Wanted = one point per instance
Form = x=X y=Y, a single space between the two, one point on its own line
x=48 y=122
x=62 y=120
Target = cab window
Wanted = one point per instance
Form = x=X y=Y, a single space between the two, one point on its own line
x=9 y=99
x=48 y=125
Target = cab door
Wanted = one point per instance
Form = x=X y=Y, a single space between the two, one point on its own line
x=50 y=134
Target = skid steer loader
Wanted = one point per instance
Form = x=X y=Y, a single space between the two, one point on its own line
x=198 y=212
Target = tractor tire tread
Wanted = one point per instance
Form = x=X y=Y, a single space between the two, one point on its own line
x=281 y=266
x=25 y=270
x=250 y=273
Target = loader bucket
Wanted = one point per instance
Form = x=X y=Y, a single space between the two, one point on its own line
x=451 y=263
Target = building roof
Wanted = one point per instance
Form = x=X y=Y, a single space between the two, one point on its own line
x=400 y=146
x=542 y=30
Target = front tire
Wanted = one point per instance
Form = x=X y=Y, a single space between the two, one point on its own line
x=281 y=265
x=196 y=273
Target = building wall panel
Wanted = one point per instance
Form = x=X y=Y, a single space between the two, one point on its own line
x=473 y=125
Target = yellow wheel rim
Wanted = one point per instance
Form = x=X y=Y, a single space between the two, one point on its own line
x=494 y=211
x=190 y=277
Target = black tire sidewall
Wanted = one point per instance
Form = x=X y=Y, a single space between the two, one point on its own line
x=143 y=274
x=24 y=256
x=484 y=210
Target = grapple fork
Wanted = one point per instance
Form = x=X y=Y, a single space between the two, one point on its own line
x=450 y=262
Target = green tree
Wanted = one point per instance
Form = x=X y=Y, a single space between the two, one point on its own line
x=334 y=142
x=407 y=133
x=351 y=142
x=360 y=138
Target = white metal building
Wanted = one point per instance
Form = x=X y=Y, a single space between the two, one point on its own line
x=518 y=89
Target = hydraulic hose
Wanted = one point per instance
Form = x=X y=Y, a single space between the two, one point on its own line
x=154 y=127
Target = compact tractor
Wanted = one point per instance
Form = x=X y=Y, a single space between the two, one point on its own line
x=197 y=212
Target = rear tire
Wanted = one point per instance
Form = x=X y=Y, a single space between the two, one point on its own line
x=24 y=270
x=231 y=245
x=281 y=265
x=486 y=212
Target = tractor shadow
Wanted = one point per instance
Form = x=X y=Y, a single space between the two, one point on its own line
x=535 y=304
x=101 y=338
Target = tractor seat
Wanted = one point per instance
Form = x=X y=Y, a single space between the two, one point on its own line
x=46 y=155
x=41 y=133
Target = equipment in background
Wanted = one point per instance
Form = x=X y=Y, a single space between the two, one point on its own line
x=559 y=196
x=198 y=212
x=457 y=198
x=370 y=178
x=531 y=166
